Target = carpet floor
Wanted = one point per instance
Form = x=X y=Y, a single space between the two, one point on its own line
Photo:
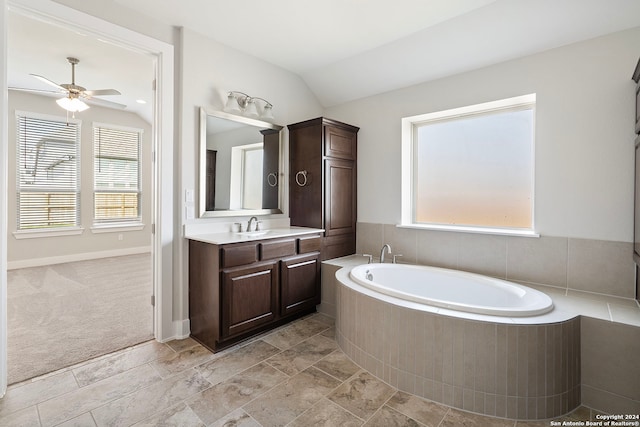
x=63 y=314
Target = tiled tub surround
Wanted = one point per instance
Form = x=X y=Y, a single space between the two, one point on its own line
x=498 y=369
x=596 y=266
x=587 y=279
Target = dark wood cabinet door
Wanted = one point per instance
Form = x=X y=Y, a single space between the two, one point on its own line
x=249 y=297
x=340 y=197
x=305 y=175
x=339 y=143
x=300 y=283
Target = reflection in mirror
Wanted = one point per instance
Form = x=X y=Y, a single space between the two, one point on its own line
x=240 y=165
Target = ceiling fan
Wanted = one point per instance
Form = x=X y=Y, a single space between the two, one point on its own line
x=75 y=94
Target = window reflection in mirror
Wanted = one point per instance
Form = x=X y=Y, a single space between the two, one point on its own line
x=239 y=165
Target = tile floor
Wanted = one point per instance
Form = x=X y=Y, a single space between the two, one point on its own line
x=293 y=376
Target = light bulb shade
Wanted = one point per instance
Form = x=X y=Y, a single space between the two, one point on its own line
x=251 y=110
x=72 y=104
x=267 y=112
x=232 y=105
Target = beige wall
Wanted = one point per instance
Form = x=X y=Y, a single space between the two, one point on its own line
x=30 y=251
x=584 y=138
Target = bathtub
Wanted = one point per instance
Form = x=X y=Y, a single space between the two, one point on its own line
x=451 y=289
x=468 y=341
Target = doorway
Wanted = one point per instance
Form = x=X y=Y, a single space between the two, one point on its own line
x=161 y=206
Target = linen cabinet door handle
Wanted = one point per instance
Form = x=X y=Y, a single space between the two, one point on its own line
x=301 y=181
x=272 y=179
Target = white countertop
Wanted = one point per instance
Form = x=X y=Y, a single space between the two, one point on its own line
x=233 y=237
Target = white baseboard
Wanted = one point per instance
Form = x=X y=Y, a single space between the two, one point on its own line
x=85 y=256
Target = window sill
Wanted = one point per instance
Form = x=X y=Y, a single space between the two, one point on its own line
x=517 y=232
x=116 y=227
x=47 y=232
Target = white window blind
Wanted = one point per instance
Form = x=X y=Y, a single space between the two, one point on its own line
x=48 y=157
x=117 y=174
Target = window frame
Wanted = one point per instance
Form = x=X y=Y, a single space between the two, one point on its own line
x=116 y=224
x=408 y=163
x=38 y=232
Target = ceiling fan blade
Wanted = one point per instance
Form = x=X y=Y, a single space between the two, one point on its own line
x=26 y=89
x=104 y=103
x=101 y=92
x=47 y=81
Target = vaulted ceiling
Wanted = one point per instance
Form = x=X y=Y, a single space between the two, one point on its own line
x=349 y=49
x=342 y=49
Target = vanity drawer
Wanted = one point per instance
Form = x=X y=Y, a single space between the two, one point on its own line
x=277 y=248
x=309 y=244
x=239 y=255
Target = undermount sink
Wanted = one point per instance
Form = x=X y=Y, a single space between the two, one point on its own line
x=253 y=233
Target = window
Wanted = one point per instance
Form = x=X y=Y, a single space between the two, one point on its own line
x=471 y=168
x=48 y=157
x=116 y=172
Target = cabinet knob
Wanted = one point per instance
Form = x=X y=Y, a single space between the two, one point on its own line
x=301 y=181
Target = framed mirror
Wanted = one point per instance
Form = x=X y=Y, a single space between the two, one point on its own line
x=240 y=166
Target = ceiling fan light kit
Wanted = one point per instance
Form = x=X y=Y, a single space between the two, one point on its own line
x=75 y=95
x=72 y=104
x=241 y=103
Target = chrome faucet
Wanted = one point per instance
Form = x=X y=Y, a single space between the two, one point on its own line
x=250 y=221
x=386 y=246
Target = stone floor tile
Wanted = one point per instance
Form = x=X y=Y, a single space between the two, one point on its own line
x=183 y=344
x=144 y=403
x=581 y=413
x=225 y=397
x=179 y=415
x=338 y=365
x=77 y=402
x=389 y=417
x=329 y=333
x=302 y=355
x=237 y=418
x=120 y=362
x=288 y=400
x=27 y=417
x=545 y=423
x=326 y=413
x=30 y=393
x=456 y=418
x=84 y=420
x=324 y=319
x=295 y=333
x=426 y=412
x=185 y=359
x=362 y=395
x=222 y=368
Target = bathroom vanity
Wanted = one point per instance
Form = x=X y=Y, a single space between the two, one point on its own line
x=241 y=284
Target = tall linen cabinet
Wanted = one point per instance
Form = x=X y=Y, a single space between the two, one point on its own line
x=322 y=182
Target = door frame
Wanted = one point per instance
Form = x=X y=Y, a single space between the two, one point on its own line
x=162 y=137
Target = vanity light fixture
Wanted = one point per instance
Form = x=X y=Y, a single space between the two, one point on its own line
x=241 y=103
